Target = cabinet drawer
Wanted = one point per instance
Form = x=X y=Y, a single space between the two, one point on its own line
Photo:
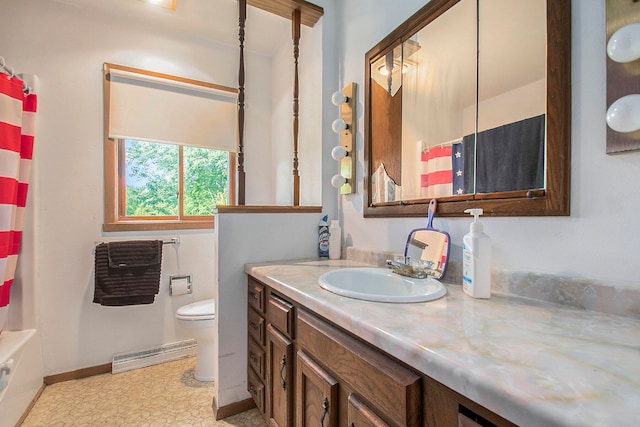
x=256 y=389
x=280 y=314
x=464 y=421
x=256 y=358
x=359 y=415
x=393 y=390
x=256 y=326
x=256 y=295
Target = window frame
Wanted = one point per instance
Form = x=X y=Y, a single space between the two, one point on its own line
x=114 y=173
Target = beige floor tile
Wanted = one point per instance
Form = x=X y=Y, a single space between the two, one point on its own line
x=165 y=395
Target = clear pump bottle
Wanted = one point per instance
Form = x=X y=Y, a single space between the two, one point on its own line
x=335 y=240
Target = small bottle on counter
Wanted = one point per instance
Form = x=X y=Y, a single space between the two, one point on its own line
x=323 y=237
x=335 y=239
x=476 y=259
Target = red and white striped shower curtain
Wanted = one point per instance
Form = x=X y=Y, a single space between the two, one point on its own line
x=17 y=122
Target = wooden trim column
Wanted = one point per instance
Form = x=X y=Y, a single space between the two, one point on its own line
x=240 y=182
x=295 y=34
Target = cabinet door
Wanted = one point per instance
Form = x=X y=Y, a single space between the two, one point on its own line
x=280 y=384
x=317 y=394
x=393 y=390
x=359 y=415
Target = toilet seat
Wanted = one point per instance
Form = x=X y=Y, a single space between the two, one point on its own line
x=201 y=310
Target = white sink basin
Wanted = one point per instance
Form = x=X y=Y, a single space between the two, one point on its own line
x=381 y=285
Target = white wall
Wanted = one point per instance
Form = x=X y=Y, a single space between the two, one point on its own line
x=250 y=238
x=508 y=107
x=310 y=118
x=598 y=241
x=65 y=47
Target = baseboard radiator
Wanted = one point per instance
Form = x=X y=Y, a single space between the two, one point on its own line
x=123 y=362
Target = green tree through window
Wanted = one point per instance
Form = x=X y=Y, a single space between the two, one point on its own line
x=205 y=180
x=153 y=181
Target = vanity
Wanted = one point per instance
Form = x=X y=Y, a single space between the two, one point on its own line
x=321 y=359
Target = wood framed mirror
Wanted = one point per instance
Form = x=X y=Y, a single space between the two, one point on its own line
x=469 y=102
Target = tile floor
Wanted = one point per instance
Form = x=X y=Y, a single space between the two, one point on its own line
x=156 y=396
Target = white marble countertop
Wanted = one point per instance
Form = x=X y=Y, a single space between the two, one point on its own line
x=534 y=363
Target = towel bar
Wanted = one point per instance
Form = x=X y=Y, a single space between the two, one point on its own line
x=173 y=241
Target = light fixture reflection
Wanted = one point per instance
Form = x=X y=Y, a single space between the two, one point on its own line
x=169 y=4
x=384 y=70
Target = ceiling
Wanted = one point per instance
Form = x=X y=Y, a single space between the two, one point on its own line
x=207 y=20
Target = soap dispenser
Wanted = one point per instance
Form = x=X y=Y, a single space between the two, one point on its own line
x=476 y=259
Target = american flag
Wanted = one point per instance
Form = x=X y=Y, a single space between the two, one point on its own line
x=457 y=168
x=442 y=171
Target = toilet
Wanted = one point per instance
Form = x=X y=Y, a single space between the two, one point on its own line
x=198 y=319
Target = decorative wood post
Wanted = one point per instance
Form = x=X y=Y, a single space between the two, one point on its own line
x=242 y=14
x=301 y=12
x=295 y=33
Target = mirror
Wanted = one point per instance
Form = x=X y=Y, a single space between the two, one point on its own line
x=432 y=248
x=429 y=247
x=468 y=101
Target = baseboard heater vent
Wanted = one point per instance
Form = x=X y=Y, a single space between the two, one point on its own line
x=123 y=362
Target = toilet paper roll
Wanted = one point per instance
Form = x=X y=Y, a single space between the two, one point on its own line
x=180 y=286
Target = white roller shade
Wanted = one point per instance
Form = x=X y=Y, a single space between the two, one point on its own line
x=156 y=109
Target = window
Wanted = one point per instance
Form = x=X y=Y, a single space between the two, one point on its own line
x=169 y=150
x=168 y=181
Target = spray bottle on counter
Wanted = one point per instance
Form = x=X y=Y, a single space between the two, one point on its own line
x=323 y=237
x=476 y=259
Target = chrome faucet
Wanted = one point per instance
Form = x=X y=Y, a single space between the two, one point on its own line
x=405 y=266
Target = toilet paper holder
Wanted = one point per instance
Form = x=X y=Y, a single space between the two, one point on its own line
x=180 y=285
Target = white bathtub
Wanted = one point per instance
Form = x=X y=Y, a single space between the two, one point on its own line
x=25 y=376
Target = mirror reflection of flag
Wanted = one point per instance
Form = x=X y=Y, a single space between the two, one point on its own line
x=442 y=170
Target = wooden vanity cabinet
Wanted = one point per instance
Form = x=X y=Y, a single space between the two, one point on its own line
x=270 y=320
x=280 y=378
x=309 y=373
x=256 y=344
x=380 y=385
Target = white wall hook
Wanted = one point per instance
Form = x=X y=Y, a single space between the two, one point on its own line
x=624 y=114
x=624 y=44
